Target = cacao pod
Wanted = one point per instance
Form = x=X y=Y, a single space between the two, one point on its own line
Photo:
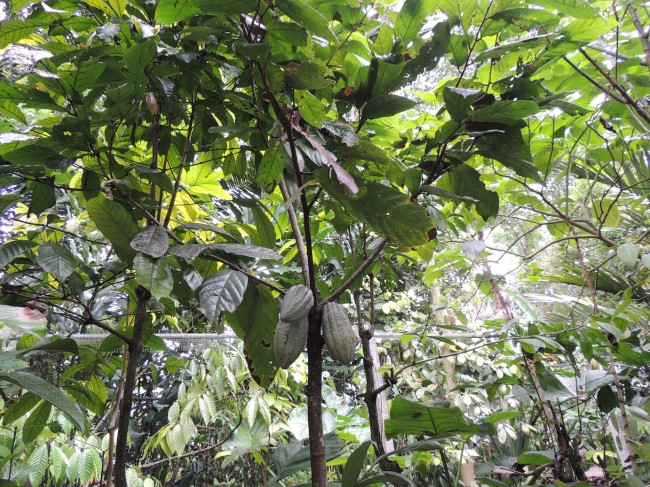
x=289 y=341
x=297 y=303
x=340 y=337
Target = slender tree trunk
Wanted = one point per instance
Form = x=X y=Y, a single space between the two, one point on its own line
x=375 y=401
x=135 y=348
x=466 y=467
x=315 y=400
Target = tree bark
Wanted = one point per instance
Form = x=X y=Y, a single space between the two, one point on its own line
x=135 y=348
x=315 y=399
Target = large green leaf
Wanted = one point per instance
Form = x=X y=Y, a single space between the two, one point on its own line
x=43 y=196
x=294 y=457
x=47 y=391
x=154 y=275
x=115 y=223
x=254 y=322
x=172 y=11
x=386 y=106
x=36 y=421
x=15 y=30
x=386 y=209
x=430 y=53
x=223 y=291
x=507 y=111
x=466 y=181
x=56 y=260
x=307 y=16
x=306 y=76
x=136 y=58
x=271 y=165
x=458 y=101
x=252 y=251
x=12 y=249
x=411 y=17
x=354 y=465
x=151 y=240
x=415 y=418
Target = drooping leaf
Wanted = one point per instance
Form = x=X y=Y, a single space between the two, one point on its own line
x=115 y=223
x=414 y=418
x=628 y=253
x=254 y=322
x=465 y=181
x=270 y=170
x=43 y=197
x=252 y=251
x=606 y=399
x=151 y=240
x=606 y=212
x=20 y=408
x=12 y=31
x=411 y=17
x=173 y=11
x=507 y=111
x=223 y=291
x=155 y=275
x=386 y=106
x=294 y=457
x=47 y=391
x=307 y=16
x=135 y=59
x=306 y=76
x=458 y=101
x=12 y=249
x=353 y=466
x=36 y=421
x=536 y=458
x=430 y=53
x=56 y=260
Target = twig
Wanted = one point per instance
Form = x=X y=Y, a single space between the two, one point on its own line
x=593 y=81
x=297 y=234
x=643 y=34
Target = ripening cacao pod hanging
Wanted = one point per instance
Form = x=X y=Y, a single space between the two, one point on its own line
x=289 y=341
x=297 y=303
x=340 y=337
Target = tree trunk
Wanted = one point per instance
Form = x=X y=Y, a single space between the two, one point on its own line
x=315 y=400
x=375 y=401
x=466 y=468
x=135 y=348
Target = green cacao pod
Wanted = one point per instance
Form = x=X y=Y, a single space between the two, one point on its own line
x=297 y=303
x=340 y=337
x=289 y=341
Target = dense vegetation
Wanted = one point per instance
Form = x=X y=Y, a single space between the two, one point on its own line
x=472 y=177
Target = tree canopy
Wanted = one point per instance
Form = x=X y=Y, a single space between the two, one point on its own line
x=472 y=177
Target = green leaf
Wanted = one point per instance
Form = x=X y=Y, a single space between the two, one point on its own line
x=23 y=319
x=294 y=457
x=36 y=421
x=264 y=227
x=354 y=465
x=271 y=166
x=606 y=212
x=11 y=111
x=458 y=101
x=365 y=150
x=289 y=32
x=580 y=9
x=226 y=6
x=56 y=260
x=47 y=391
x=135 y=59
x=415 y=418
x=311 y=109
x=43 y=196
x=12 y=31
x=507 y=111
x=430 y=53
x=411 y=17
x=252 y=251
x=115 y=223
x=385 y=209
x=385 y=106
x=307 y=16
x=20 y=408
x=306 y=76
x=513 y=161
x=223 y=291
x=606 y=399
x=82 y=77
x=536 y=458
x=173 y=11
x=154 y=275
x=254 y=322
x=466 y=181
x=152 y=240
x=12 y=249
x=628 y=253
x=385 y=478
